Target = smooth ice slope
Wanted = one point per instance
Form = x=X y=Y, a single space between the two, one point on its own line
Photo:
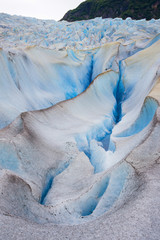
x=36 y=79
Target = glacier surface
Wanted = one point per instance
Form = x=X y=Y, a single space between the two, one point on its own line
x=78 y=101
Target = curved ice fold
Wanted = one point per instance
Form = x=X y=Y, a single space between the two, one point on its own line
x=145 y=117
x=38 y=78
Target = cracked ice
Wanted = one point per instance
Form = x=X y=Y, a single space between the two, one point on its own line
x=76 y=100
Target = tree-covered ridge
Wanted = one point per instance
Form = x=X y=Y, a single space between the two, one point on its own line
x=136 y=9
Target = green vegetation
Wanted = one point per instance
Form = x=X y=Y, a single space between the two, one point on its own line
x=136 y=9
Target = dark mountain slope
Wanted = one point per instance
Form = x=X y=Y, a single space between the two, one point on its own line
x=136 y=9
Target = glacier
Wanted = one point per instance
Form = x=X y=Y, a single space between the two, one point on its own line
x=79 y=116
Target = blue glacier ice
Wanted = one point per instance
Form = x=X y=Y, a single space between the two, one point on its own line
x=78 y=102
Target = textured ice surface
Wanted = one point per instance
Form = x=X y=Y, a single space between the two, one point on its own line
x=21 y=32
x=76 y=101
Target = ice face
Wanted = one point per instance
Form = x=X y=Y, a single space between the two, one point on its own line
x=73 y=108
x=37 y=80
